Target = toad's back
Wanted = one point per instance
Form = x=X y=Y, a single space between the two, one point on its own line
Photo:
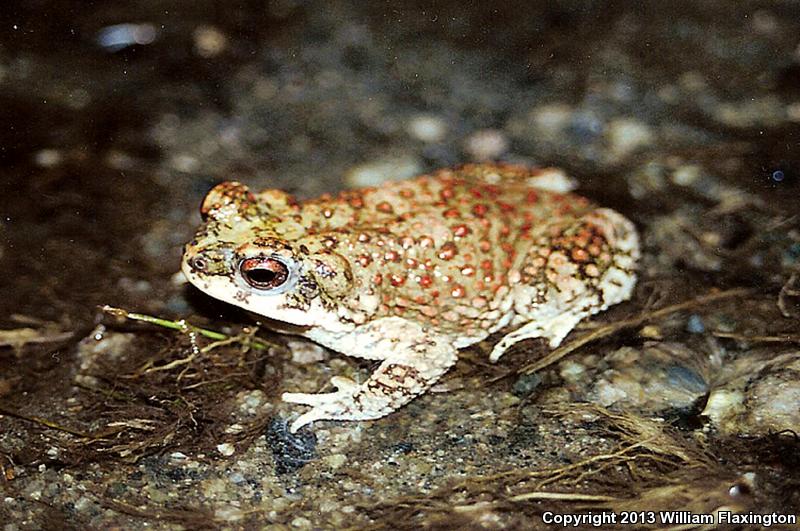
x=470 y=250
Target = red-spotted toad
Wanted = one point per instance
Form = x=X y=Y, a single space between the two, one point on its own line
x=411 y=271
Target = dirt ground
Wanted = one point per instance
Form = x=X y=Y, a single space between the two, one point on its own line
x=117 y=117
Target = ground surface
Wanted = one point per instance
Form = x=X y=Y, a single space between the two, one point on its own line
x=684 y=116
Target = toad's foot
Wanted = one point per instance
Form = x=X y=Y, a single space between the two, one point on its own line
x=412 y=361
x=392 y=385
x=554 y=330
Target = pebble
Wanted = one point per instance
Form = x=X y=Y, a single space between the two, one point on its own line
x=377 y=172
x=626 y=135
x=209 y=41
x=226 y=449
x=486 y=144
x=427 y=128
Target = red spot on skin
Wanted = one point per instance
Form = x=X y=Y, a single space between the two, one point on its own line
x=446 y=194
x=506 y=207
x=411 y=263
x=594 y=250
x=377 y=279
x=505 y=231
x=406 y=242
x=458 y=291
x=579 y=255
x=492 y=190
x=426 y=242
x=384 y=207
x=507 y=247
x=532 y=197
x=564 y=209
x=476 y=193
x=391 y=256
x=468 y=270
x=480 y=210
x=396 y=280
x=526 y=226
x=484 y=246
x=461 y=230
x=507 y=263
x=425 y=281
x=447 y=251
x=407 y=193
x=419 y=299
x=435 y=293
x=451 y=213
x=363 y=238
x=364 y=260
x=486 y=265
x=356 y=202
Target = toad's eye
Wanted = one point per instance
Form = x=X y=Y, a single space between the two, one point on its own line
x=263 y=273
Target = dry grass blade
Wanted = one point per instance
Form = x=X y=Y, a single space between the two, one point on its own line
x=563 y=496
x=788 y=338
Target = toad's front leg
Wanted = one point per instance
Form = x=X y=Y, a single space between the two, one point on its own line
x=412 y=361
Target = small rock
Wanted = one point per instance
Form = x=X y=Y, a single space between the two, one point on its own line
x=209 y=41
x=695 y=325
x=379 y=171
x=526 y=384
x=301 y=523
x=306 y=352
x=486 y=144
x=47 y=158
x=626 y=135
x=226 y=449
x=335 y=461
x=427 y=128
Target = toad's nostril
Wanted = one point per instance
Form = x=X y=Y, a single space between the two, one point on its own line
x=198 y=263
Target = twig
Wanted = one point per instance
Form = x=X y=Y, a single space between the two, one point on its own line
x=563 y=496
x=612 y=328
x=788 y=338
x=181 y=325
x=44 y=422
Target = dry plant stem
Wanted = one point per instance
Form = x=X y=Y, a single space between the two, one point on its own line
x=180 y=325
x=612 y=328
x=562 y=496
x=788 y=338
x=44 y=422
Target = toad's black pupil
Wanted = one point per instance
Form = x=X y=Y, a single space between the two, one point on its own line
x=264 y=273
x=262 y=276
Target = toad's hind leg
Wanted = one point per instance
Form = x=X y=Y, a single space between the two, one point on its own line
x=572 y=271
x=413 y=360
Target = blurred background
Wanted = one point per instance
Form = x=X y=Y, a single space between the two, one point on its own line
x=117 y=117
